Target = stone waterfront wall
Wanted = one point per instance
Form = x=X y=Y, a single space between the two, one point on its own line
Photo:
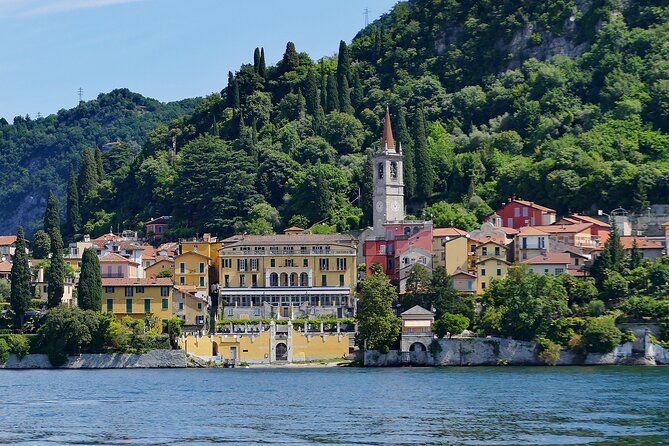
x=499 y=351
x=152 y=359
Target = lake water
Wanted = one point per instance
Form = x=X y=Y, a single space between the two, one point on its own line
x=487 y=406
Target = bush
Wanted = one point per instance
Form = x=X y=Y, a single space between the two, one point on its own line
x=451 y=324
x=641 y=307
x=549 y=351
x=596 y=308
x=4 y=351
x=18 y=345
x=601 y=335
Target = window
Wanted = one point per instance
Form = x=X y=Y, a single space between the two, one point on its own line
x=109 y=289
x=181 y=305
x=199 y=305
x=391 y=264
x=182 y=280
x=341 y=264
x=139 y=289
x=484 y=251
x=305 y=263
x=256 y=311
x=241 y=264
x=524 y=212
x=201 y=267
x=524 y=242
x=516 y=212
x=164 y=291
x=227 y=263
x=483 y=271
x=227 y=280
x=201 y=282
x=509 y=222
x=254 y=280
x=324 y=280
x=147 y=305
x=290 y=263
x=254 y=264
x=559 y=271
x=230 y=311
x=272 y=263
x=379 y=168
x=341 y=280
x=128 y=305
x=242 y=280
x=393 y=169
x=499 y=262
x=325 y=264
x=499 y=271
x=182 y=267
x=470 y=285
x=129 y=291
x=110 y=305
x=483 y=285
x=497 y=251
x=546 y=271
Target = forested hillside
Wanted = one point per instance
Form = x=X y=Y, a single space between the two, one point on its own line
x=36 y=153
x=563 y=102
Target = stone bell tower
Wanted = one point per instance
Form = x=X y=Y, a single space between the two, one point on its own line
x=388 y=180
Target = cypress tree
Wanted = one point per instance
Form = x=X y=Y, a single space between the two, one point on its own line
x=357 y=93
x=89 y=292
x=324 y=91
x=291 y=60
x=88 y=175
x=332 y=95
x=404 y=137
x=100 y=167
x=367 y=188
x=51 y=215
x=343 y=65
x=73 y=219
x=345 y=98
x=424 y=171
x=311 y=93
x=262 y=67
x=635 y=256
x=256 y=60
x=19 y=295
x=615 y=248
x=56 y=271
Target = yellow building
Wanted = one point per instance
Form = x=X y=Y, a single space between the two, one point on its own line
x=191 y=272
x=456 y=254
x=491 y=263
x=264 y=343
x=441 y=236
x=138 y=297
x=207 y=245
x=288 y=276
x=191 y=308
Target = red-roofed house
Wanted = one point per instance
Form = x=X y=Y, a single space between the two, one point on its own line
x=114 y=266
x=650 y=249
x=553 y=263
x=439 y=238
x=518 y=213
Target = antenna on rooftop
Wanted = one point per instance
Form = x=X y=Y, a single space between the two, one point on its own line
x=365 y=12
x=81 y=93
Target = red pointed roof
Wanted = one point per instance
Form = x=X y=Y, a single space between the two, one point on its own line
x=388 y=141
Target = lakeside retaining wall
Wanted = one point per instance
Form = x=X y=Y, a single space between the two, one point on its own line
x=152 y=359
x=500 y=351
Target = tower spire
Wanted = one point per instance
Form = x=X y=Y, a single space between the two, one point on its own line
x=388 y=142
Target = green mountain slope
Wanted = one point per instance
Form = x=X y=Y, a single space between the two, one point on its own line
x=36 y=154
x=562 y=102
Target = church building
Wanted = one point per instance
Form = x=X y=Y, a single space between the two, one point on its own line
x=395 y=243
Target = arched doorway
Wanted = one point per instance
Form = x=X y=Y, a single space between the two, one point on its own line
x=417 y=347
x=214 y=349
x=281 y=352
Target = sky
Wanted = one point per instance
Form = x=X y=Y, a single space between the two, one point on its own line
x=164 y=49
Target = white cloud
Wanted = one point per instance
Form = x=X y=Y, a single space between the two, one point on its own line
x=43 y=7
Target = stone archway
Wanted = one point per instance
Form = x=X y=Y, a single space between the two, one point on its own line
x=281 y=352
x=417 y=347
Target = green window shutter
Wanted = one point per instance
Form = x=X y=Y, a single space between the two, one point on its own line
x=128 y=306
x=147 y=305
x=166 y=304
x=110 y=305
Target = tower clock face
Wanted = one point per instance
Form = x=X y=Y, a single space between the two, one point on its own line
x=379 y=205
x=395 y=206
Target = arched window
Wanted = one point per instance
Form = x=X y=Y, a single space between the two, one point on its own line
x=293 y=279
x=393 y=170
x=380 y=169
x=274 y=279
x=416 y=229
x=304 y=279
x=284 y=279
x=407 y=231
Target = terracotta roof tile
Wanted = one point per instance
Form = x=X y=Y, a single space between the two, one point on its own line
x=642 y=243
x=448 y=232
x=534 y=205
x=7 y=240
x=5 y=267
x=550 y=258
x=129 y=281
x=112 y=257
x=564 y=229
